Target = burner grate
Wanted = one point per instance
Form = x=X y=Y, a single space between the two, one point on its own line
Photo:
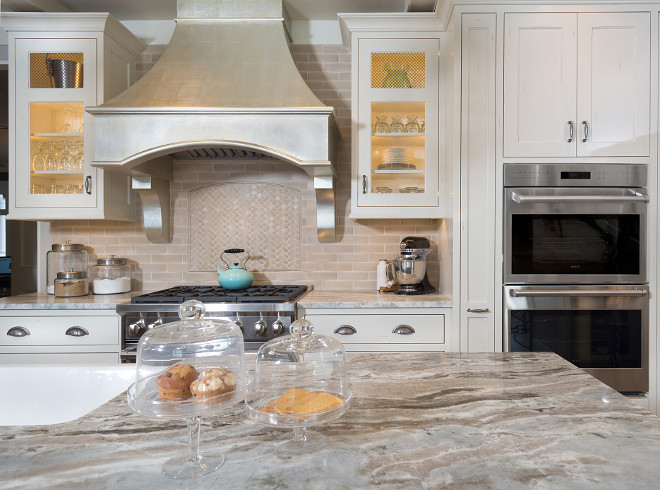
x=218 y=294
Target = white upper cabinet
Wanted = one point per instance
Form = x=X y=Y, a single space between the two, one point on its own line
x=58 y=65
x=397 y=130
x=577 y=85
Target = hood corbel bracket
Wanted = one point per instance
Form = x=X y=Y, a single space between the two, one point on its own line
x=154 y=193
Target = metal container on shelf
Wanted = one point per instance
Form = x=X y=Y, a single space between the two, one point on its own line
x=111 y=276
x=64 y=257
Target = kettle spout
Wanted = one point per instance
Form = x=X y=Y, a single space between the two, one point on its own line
x=219 y=269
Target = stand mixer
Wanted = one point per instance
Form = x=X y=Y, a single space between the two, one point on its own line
x=410 y=266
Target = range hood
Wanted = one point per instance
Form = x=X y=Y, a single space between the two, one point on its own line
x=227 y=80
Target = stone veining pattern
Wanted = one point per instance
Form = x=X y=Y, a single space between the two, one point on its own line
x=435 y=420
x=262 y=218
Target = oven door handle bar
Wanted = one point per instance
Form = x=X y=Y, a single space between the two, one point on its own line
x=519 y=293
x=521 y=198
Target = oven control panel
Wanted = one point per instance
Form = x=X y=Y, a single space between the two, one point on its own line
x=574 y=175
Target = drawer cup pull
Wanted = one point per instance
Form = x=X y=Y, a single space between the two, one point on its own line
x=18 y=332
x=403 y=330
x=345 y=330
x=77 y=332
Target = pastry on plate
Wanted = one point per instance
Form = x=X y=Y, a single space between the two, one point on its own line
x=174 y=384
x=211 y=383
x=298 y=402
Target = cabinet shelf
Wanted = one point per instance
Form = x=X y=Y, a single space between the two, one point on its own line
x=398 y=171
x=56 y=172
x=56 y=135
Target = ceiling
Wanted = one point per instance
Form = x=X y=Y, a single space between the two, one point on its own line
x=166 y=9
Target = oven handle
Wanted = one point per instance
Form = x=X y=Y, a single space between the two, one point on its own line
x=519 y=293
x=521 y=199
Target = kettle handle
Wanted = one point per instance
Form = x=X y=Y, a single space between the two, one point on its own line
x=234 y=251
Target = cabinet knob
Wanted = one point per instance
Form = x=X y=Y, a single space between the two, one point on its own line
x=364 y=184
x=585 y=131
x=403 y=330
x=478 y=310
x=88 y=184
x=18 y=332
x=571 y=131
x=345 y=330
x=77 y=331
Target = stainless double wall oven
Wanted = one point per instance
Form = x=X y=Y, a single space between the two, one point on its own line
x=575 y=261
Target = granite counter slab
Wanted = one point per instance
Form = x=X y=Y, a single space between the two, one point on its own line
x=44 y=301
x=423 y=420
x=371 y=299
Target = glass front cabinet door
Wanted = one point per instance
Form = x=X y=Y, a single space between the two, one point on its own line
x=59 y=64
x=396 y=160
x=53 y=88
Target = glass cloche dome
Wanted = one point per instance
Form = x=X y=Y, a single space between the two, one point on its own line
x=301 y=380
x=189 y=369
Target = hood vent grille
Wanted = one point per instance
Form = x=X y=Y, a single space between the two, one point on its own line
x=219 y=153
x=225 y=87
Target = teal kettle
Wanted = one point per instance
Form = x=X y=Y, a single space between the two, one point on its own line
x=235 y=276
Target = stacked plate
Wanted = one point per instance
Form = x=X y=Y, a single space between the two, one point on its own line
x=401 y=158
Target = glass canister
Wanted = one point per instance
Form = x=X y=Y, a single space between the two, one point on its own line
x=71 y=284
x=111 y=276
x=64 y=257
x=301 y=380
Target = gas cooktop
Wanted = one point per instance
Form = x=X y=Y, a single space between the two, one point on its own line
x=218 y=294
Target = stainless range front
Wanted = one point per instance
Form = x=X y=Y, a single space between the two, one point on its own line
x=262 y=312
x=575 y=267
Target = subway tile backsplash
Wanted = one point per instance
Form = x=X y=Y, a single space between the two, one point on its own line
x=218 y=204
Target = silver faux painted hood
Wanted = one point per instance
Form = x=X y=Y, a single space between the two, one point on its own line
x=227 y=80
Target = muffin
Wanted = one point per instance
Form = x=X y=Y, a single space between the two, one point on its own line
x=211 y=383
x=174 y=384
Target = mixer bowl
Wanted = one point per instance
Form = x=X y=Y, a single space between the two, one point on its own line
x=409 y=271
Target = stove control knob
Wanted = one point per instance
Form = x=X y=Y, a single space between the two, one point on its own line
x=240 y=325
x=278 y=327
x=157 y=323
x=260 y=327
x=136 y=328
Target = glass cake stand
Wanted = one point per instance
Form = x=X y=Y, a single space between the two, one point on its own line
x=303 y=440
x=285 y=367
x=194 y=345
x=193 y=463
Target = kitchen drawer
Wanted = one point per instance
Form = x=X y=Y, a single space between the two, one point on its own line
x=381 y=329
x=56 y=330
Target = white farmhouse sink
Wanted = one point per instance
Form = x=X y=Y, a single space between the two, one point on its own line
x=52 y=394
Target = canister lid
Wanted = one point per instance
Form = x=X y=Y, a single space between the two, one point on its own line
x=67 y=247
x=72 y=275
x=112 y=261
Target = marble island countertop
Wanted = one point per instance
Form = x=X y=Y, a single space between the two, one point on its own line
x=431 y=420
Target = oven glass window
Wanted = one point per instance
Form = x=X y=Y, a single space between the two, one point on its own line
x=586 y=338
x=575 y=244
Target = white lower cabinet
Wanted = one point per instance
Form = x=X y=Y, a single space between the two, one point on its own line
x=386 y=331
x=59 y=337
